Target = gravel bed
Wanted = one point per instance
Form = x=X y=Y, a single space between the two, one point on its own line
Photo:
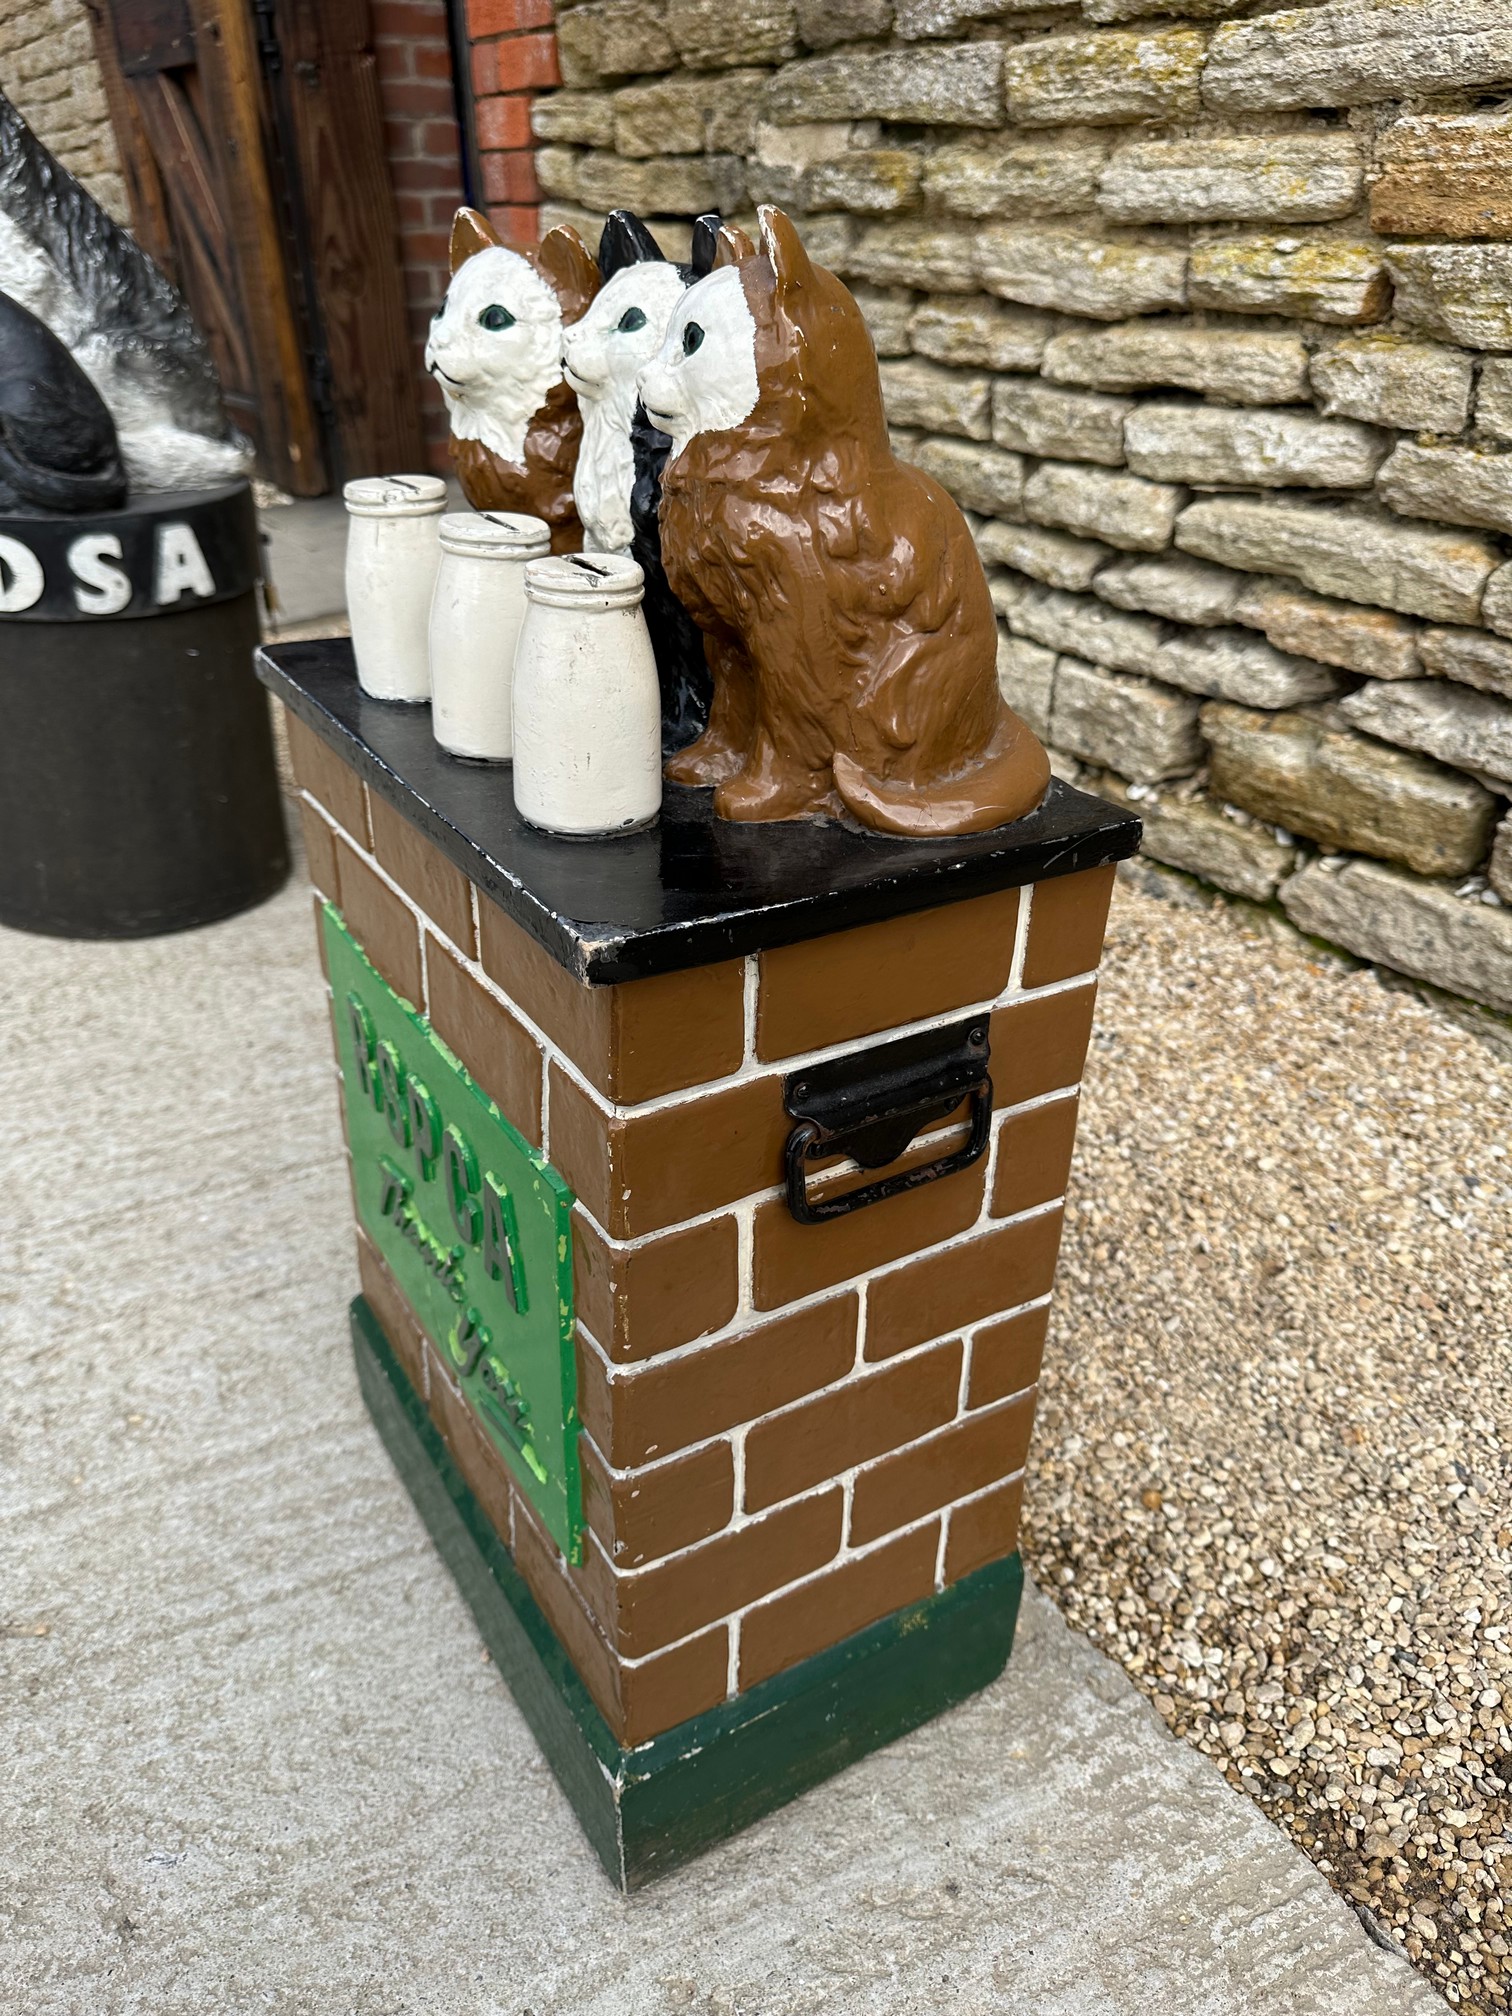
x=1273 y=1471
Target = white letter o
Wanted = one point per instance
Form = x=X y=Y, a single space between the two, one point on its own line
x=21 y=577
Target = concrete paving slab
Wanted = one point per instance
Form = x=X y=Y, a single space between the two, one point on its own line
x=252 y=1755
x=304 y=553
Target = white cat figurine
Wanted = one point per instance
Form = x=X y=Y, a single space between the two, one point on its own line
x=495 y=349
x=603 y=356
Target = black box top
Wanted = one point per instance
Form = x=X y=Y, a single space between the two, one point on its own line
x=692 y=889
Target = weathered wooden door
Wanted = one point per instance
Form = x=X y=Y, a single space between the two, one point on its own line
x=252 y=144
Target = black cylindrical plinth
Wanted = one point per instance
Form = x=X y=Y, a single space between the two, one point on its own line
x=137 y=785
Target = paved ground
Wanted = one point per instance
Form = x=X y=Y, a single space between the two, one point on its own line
x=252 y=1757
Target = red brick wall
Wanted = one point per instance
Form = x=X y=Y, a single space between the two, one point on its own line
x=514 y=55
x=425 y=164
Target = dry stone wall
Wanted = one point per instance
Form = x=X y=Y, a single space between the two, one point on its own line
x=1206 y=318
x=49 y=73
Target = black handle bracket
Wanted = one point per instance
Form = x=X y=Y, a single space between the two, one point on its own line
x=872 y=1104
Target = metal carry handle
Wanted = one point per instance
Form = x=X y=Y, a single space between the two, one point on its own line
x=872 y=1104
x=808 y=1141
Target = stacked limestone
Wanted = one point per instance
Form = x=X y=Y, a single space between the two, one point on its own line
x=1208 y=323
x=49 y=73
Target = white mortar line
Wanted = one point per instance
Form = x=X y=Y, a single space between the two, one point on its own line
x=745 y=1261
x=834 y=1293
x=750 y=1067
x=738 y=1515
x=846 y=1479
x=937 y=1137
x=750 y=981
x=1020 y=938
x=741 y=1429
x=737 y=1617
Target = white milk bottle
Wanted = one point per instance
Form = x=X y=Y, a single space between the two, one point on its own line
x=587 y=707
x=475 y=618
x=391 y=560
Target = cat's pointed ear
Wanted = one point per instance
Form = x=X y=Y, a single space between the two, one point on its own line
x=784 y=248
x=733 y=246
x=471 y=232
x=625 y=241
x=569 y=268
x=705 y=244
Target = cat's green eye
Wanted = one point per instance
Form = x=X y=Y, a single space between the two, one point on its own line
x=494 y=317
x=631 y=320
x=692 y=337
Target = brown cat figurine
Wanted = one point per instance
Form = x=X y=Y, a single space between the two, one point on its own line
x=849 y=628
x=495 y=349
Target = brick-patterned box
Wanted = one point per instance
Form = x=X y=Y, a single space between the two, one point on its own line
x=704 y=1547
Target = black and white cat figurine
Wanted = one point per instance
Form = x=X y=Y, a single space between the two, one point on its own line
x=58 y=447
x=617 y=487
x=118 y=316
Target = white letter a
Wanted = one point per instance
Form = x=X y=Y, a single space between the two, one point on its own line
x=180 y=565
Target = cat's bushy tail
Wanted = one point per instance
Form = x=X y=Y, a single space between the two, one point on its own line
x=1006 y=780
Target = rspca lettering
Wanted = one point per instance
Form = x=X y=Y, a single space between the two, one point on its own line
x=473 y=1226
x=99 y=579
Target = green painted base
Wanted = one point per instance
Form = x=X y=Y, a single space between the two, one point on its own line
x=648 y=1809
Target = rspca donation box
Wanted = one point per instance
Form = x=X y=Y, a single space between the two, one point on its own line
x=708 y=1185
x=137 y=785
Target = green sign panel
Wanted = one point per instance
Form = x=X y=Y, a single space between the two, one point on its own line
x=476 y=1227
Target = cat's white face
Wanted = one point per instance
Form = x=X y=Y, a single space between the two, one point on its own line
x=605 y=352
x=495 y=348
x=703 y=378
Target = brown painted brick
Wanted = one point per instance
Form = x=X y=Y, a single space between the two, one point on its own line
x=635 y=1041
x=654 y=1409
x=853 y=983
x=500 y=1052
x=382 y=925
x=983 y=1531
x=1006 y=1356
x=418 y=865
x=945 y=1291
x=1040 y=1046
x=687 y=1681
x=642 y=1172
x=320 y=850
x=484 y=1470
x=321 y=772
x=640 y=1515
x=974 y=1453
x=639 y=1300
x=1067 y=916
x=671 y=1599
x=566 y=1610
x=804 y=1621
x=850 y=1424
x=793 y=1259
x=1033 y=1157
x=395 y=1317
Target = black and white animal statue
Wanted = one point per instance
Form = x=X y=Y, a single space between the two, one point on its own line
x=58 y=447
x=118 y=317
x=617 y=486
